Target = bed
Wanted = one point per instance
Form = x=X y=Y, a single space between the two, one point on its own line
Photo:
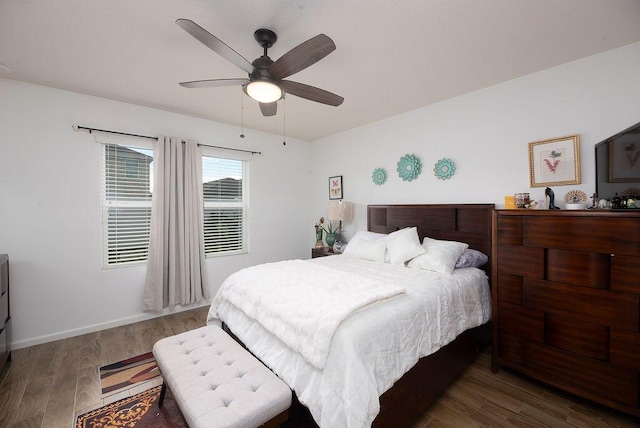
x=387 y=359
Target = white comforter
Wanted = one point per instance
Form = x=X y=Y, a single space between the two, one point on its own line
x=375 y=346
x=304 y=307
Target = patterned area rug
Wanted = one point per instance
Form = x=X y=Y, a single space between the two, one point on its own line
x=124 y=374
x=139 y=411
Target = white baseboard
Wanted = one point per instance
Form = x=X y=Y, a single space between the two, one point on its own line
x=103 y=326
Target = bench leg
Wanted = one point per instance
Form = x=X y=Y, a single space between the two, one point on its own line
x=163 y=391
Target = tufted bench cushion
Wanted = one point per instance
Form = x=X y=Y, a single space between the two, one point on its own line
x=217 y=383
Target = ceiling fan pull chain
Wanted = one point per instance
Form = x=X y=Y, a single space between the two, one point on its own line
x=241 y=114
x=284 y=121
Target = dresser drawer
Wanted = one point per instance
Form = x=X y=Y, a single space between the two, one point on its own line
x=579 y=337
x=625 y=348
x=595 y=377
x=521 y=321
x=4 y=309
x=510 y=350
x=625 y=274
x=5 y=339
x=509 y=288
x=523 y=261
x=509 y=231
x=603 y=307
x=578 y=268
x=4 y=273
x=589 y=234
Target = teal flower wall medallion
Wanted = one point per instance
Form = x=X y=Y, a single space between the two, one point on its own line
x=409 y=167
x=379 y=176
x=444 y=169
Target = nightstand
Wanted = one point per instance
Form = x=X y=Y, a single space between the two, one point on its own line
x=322 y=252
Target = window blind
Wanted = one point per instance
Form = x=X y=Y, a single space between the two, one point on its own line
x=225 y=205
x=126 y=203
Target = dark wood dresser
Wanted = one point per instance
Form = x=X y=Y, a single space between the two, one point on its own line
x=566 y=301
x=5 y=314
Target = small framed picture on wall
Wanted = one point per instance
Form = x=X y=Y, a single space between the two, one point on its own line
x=335 y=187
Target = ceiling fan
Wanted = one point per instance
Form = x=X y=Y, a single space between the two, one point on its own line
x=266 y=82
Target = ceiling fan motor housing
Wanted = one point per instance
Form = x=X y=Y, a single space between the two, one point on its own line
x=261 y=68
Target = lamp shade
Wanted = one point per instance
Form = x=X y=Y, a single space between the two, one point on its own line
x=264 y=92
x=340 y=211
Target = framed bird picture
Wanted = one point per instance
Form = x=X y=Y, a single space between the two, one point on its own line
x=555 y=162
x=335 y=187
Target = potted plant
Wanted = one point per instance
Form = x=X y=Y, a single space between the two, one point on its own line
x=332 y=234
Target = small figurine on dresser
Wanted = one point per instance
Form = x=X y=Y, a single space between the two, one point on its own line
x=616 y=202
x=551 y=198
x=319 y=229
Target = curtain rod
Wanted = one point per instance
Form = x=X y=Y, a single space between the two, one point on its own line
x=86 y=128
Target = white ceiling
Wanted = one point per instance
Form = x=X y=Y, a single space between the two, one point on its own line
x=391 y=56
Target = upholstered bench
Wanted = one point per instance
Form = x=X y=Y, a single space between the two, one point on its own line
x=217 y=383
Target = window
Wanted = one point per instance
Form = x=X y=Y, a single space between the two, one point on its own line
x=126 y=203
x=225 y=205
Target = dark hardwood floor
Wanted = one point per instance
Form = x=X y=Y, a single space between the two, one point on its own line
x=480 y=398
x=48 y=385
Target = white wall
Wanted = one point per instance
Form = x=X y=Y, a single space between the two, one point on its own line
x=486 y=134
x=50 y=177
x=50 y=207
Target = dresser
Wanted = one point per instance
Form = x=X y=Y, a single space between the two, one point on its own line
x=566 y=301
x=5 y=315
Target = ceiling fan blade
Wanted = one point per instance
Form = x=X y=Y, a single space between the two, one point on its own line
x=269 y=109
x=311 y=93
x=302 y=56
x=212 y=83
x=215 y=44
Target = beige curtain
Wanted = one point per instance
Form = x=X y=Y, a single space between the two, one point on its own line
x=176 y=266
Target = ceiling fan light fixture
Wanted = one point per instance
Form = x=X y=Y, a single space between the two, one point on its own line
x=264 y=92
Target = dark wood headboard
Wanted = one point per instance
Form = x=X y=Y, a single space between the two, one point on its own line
x=470 y=223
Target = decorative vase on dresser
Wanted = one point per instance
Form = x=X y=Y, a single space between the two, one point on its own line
x=566 y=301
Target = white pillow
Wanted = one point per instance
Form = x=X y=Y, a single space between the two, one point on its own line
x=352 y=246
x=370 y=250
x=404 y=245
x=440 y=256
